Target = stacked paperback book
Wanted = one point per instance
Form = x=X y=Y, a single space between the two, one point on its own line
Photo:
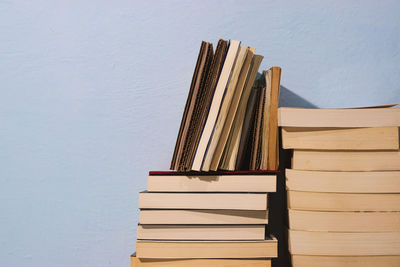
x=199 y=219
x=343 y=187
x=230 y=118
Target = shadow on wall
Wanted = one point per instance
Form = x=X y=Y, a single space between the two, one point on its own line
x=278 y=220
x=289 y=99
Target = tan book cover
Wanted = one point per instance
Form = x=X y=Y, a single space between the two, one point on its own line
x=346 y=160
x=332 y=221
x=345 y=261
x=203 y=217
x=200 y=232
x=299 y=200
x=212 y=183
x=137 y=262
x=225 y=201
x=207 y=249
x=343 y=182
x=344 y=244
x=273 y=146
x=342 y=118
x=379 y=138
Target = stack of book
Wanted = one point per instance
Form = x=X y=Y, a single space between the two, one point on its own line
x=343 y=189
x=230 y=118
x=203 y=219
x=212 y=209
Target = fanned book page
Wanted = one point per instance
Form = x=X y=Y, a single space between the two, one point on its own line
x=228 y=160
x=243 y=156
x=223 y=112
x=232 y=110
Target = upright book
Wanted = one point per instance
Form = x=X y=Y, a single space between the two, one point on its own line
x=228 y=158
x=233 y=108
x=195 y=92
x=225 y=105
x=215 y=105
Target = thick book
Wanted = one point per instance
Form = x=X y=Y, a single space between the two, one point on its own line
x=274 y=82
x=137 y=262
x=202 y=105
x=344 y=244
x=230 y=92
x=228 y=159
x=215 y=105
x=299 y=200
x=207 y=249
x=346 y=160
x=224 y=201
x=233 y=108
x=201 y=232
x=331 y=221
x=343 y=182
x=156 y=216
x=200 y=72
x=212 y=182
x=379 y=138
x=341 y=118
x=345 y=261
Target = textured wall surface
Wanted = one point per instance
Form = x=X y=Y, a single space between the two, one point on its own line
x=92 y=92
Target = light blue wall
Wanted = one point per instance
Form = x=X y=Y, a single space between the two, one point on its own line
x=92 y=92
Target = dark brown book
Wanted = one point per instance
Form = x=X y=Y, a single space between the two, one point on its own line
x=189 y=107
x=256 y=143
x=204 y=102
x=243 y=157
x=261 y=130
x=199 y=88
